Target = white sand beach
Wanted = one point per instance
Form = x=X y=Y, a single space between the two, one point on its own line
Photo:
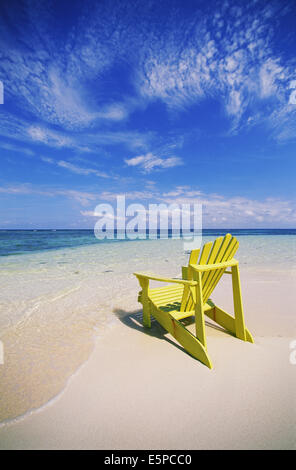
x=140 y=390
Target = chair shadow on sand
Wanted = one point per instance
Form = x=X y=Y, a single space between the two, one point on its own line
x=134 y=320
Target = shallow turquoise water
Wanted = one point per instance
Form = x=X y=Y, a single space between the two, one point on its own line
x=99 y=271
x=26 y=241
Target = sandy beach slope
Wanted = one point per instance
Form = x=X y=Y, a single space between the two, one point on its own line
x=139 y=390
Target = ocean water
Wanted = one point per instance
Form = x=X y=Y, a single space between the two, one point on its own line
x=59 y=290
x=42 y=267
x=16 y=242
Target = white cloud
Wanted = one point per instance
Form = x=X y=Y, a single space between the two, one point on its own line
x=82 y=171
x=129 y=195
x=232 y=60
x=50 y=79
x=270 y=73
x=149 y=162
x=218 y=210
x=226 y=54
x=234 y=105
x=270 y=212
x=83 y=197
x=49 y=137
x=88 y=214
x=19 y=189
x=78 y=169
x=15 y=148
x=82 y=142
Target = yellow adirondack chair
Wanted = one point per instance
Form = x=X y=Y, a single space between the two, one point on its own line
x=190 y=296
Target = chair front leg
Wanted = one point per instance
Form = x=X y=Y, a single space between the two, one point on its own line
x=199 y=311
x=144 y=283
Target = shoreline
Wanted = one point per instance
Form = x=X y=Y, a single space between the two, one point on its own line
x=56 y=397
x=105 y=407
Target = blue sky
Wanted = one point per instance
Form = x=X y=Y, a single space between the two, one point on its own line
x=163 y=101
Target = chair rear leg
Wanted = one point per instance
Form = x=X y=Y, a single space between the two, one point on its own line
x=240 y=328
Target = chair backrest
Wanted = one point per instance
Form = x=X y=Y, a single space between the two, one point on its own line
x=221 y=250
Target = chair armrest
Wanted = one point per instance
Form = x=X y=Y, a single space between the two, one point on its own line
x=163 y=279
x=212 y=267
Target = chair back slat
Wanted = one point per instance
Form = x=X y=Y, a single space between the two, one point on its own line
x=194 y=256
x=202 y=260
x=223 y=249
x=206 y=276
x=227 y=250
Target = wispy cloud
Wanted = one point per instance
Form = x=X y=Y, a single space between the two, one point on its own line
x=228 y=55
x=17 y=189
x=89 y=141
x=49 y=75
x=218 y=210
x=82 y=197
x=78 y=169
x=149 y=162
x=15 y=148
x=82 y=171
x=49 y=137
